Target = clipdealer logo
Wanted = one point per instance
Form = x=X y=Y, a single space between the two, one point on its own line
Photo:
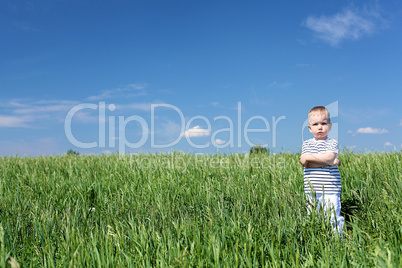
x=108 y=124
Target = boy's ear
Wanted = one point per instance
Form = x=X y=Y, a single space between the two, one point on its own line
x=309 y=128
x=330 y=126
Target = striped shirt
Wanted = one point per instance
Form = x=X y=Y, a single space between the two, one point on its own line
x=328 y=177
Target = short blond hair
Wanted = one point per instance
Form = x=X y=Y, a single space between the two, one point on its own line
x=319 y=110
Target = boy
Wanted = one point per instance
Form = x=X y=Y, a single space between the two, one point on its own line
x=320 y=162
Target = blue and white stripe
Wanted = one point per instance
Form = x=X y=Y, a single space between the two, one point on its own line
x=324 y=179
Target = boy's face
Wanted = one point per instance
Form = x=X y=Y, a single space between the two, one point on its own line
x=319 y=126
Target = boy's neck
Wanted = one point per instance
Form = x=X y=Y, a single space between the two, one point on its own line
x=324 y=139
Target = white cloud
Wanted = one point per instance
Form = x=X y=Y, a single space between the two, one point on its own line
x=28 y=112
x=196 y=131
x=215 y=103
x=400 y=122
x=25 y=26
x=129 y=91
x=15 y=121
x=350 y=24
x=220 y=142
x=146 y=107
x=388 y=144
x=352 y=132
x=38 y=105
x=281 y=84
x=86 y=117
x=35 y=109
x=23 y=113
x=370 y=130
x=136 y=106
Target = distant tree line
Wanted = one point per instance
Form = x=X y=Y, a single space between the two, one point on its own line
x=258 y=149
x=72 y=152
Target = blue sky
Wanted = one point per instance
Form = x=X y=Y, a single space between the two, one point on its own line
x=197 y=76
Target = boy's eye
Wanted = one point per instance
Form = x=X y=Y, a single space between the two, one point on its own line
x=323 y=124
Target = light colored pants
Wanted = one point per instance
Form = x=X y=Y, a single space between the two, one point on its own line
x=330 y=203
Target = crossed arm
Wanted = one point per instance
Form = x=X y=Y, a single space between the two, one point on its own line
x=319 y=160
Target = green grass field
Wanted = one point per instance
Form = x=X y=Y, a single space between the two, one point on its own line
x=173 y=210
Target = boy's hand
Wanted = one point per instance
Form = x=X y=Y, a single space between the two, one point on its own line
x=337 y=162
x=303 y=160
x=319 y=160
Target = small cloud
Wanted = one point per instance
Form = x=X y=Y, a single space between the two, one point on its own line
x=281 y=84
x=388 y=144
x=215 y=103
x=136 y=106
x=196 y=131
x=15 y=121
x=272 y=84
x=302 y=65
x=142 y=106
x=400 y=122
x=350 y=24
x=370 y=130
x=25 y=26
x=23 y=113
x=220 y=142
x=86 y=117
x=352 y=132
x=36 y=109
x=129 y=91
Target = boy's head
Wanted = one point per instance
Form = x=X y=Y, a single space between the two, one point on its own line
x=319 y=122
x=319 y=110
